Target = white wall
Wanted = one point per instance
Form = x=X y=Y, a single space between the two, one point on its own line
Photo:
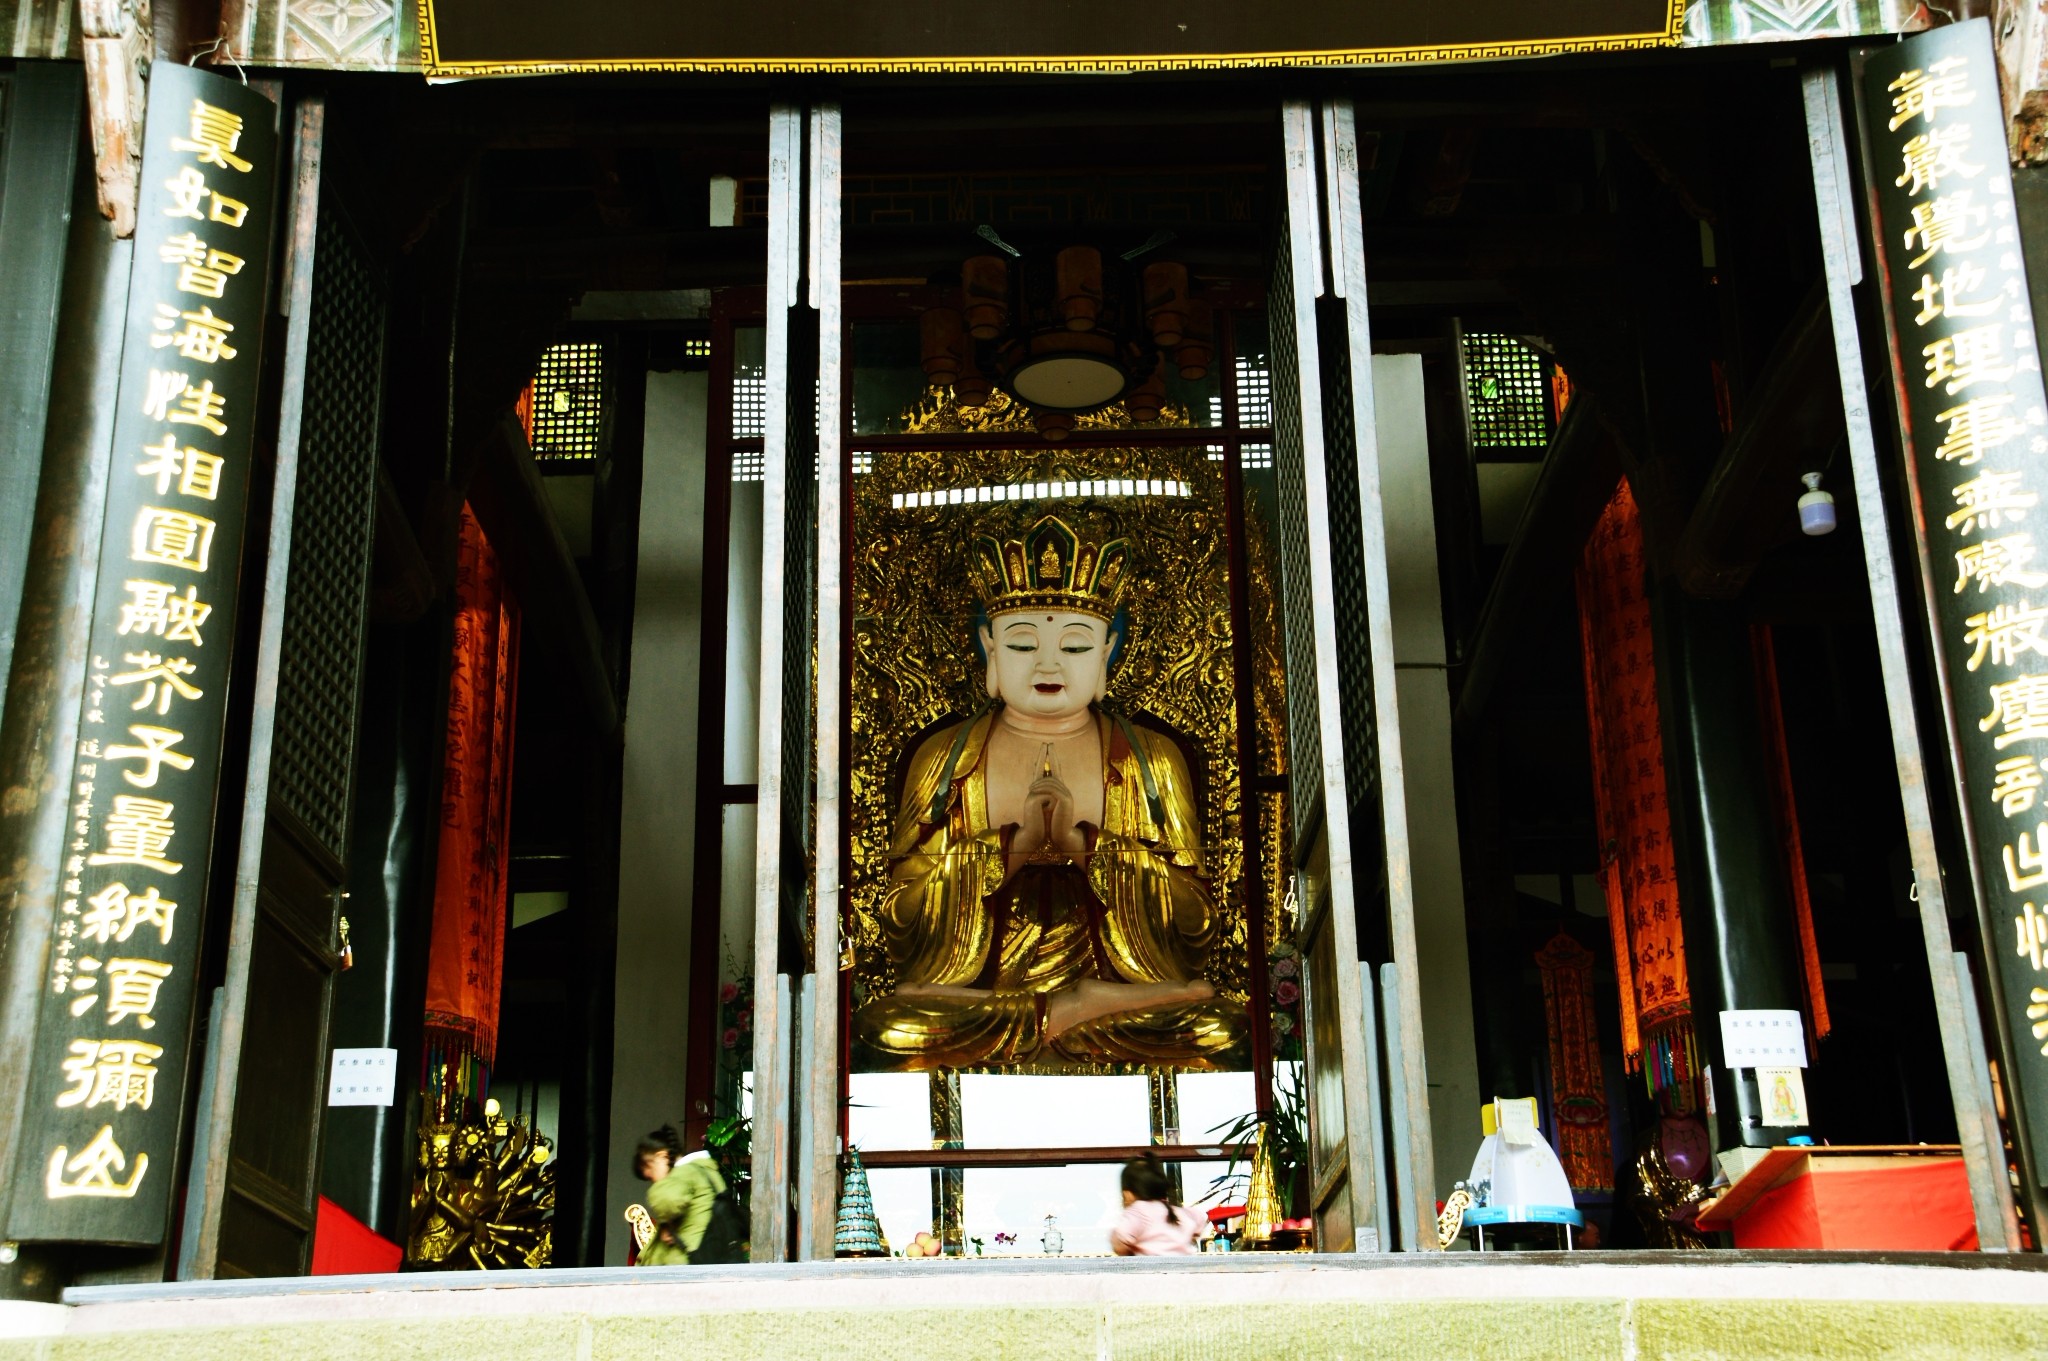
x=1423 y=694
x=658 y=804
x=742 y=728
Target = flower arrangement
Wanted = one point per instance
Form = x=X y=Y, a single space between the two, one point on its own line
x=1284 y=992
x=736 y=1020
x=1004 y=1242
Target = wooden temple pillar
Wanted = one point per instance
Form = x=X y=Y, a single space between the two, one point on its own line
x=797 y=1069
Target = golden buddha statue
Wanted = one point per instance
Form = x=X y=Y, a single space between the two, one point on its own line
x=484 y=1194
x=1046 y=903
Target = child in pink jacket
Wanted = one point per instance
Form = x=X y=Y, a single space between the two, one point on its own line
x=1154 y=1222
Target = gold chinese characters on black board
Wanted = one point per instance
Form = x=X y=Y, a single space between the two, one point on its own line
x=1965 y=362
x=114 y=1028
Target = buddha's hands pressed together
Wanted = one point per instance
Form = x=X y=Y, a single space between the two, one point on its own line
x=1050 y=830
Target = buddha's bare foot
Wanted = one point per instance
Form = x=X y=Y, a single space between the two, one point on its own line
x=1092 y=999
x=948 y=990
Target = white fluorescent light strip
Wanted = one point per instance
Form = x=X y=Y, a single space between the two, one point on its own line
x=1039 y=491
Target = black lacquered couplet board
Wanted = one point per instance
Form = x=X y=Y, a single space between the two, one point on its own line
x=113 y=1033
x=1967 y=370
x=484 y=36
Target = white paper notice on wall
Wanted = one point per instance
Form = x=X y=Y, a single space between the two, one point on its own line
x=363 y=1077
x=1763 y=1039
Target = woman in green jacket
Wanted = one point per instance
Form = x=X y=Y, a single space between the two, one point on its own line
x=679 y=1202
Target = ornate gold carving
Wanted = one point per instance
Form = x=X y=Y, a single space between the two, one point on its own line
x=1269 y=712
x=914 y=661
x=937 y=414
x=1451 y=1221
x=642 y=1224
x=1066 y=577
x=483 y=1195
x=1666 y=1203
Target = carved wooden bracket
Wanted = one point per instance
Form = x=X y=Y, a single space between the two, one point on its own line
x=118 y=45
x=2020 y=28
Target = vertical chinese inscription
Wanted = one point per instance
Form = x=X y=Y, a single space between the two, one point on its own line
x=113 y=1036
x=1966 y=364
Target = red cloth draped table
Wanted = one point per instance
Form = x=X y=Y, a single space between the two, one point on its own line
x=1912 y=1198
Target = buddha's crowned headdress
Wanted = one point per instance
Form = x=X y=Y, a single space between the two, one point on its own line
x=1050 y=568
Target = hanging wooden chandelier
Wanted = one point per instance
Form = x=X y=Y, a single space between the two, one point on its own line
x=1068 y=333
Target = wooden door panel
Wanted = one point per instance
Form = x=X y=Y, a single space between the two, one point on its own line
x=257 y=1240
x=288 y=990
x=264 y=1177
x=1328 y=1146
x=299 y=885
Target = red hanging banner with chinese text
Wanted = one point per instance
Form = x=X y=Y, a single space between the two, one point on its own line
x=465 y=963
x=1628 y=784
x=1578 y=1095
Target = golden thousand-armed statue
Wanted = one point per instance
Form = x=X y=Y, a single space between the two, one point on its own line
x=483 y=1196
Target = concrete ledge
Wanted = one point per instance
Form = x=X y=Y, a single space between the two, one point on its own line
x=22 y=1318
x=1506 y=1307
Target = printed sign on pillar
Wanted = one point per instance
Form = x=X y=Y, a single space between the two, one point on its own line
x=1967 y=372
x=114 y=1027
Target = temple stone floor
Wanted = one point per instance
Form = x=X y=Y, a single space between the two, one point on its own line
x=1499 y=1307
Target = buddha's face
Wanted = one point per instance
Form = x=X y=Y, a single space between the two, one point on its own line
x=1051 y=663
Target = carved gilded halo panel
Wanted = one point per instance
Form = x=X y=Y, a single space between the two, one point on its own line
x=916 y=664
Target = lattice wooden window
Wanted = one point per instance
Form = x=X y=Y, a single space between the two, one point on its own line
x=333 y=524
x=1254 y=391
x=1506 y=394
x=1254 y=373
x=749 y=415
x=569 y=403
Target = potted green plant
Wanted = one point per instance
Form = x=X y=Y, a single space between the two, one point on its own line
x=1286 y=1140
